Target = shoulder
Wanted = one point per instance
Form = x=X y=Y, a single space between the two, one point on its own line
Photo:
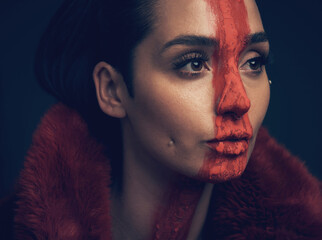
x=276 y=198
x=63 y=190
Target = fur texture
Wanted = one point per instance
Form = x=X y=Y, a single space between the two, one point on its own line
x=65 y=182
x=64 y=190
x=276 y=198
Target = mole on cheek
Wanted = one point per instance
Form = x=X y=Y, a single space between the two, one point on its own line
x=171 y=143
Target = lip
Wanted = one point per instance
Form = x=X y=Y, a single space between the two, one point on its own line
x=229 y=145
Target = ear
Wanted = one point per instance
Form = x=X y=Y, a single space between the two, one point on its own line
x=109 y=84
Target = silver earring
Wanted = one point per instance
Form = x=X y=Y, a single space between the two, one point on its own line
x=170 y=143
x=270 y=82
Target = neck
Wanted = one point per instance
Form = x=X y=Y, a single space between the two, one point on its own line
x=183 y=212
x=155 y=203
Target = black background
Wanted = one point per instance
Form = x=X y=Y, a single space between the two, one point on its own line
x=294 y=115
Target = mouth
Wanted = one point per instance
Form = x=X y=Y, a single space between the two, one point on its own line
x=231 y=145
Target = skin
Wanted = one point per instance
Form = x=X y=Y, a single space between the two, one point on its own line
x=228 y=157
x=178 y=109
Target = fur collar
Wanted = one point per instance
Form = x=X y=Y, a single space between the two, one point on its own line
x=64 y=190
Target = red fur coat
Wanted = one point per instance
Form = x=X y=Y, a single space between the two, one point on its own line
x=64 y=191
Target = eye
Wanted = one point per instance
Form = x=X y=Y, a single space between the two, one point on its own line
x=191 y=64
x=254 y=65
x=196 y=65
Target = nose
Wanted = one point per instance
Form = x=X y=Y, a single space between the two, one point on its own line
x=233 y=99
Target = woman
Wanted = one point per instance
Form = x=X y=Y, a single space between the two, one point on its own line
x=162 y=102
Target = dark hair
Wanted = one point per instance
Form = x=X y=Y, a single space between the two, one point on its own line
x=82 y=33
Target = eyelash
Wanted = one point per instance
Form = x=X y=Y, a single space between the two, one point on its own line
x=260 y=61
x=202 y=57
x=189 y=58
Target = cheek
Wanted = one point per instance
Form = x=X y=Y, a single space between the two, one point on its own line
x=259 y=99
x=179 y=111
x=259 y=104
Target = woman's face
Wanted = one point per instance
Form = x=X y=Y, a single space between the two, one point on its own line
x=200 y=88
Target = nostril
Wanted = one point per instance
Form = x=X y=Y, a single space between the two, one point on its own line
x=234 y=115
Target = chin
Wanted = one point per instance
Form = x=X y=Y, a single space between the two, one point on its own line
x=222 y=167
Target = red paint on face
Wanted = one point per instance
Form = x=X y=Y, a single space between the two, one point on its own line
x=228 y=155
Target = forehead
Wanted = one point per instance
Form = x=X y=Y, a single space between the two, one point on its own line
x=197 y=17
x=191 y=16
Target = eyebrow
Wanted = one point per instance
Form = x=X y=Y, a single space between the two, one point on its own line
x=195 y=40
x=257 y=37
x=191 y=40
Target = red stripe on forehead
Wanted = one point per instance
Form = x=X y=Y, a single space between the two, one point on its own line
x=232 y=23
x=232 y=18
